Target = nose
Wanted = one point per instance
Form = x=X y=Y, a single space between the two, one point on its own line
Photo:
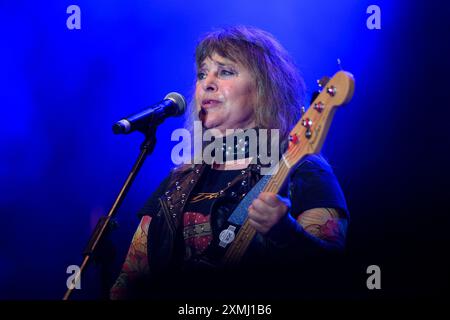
x=210 y=83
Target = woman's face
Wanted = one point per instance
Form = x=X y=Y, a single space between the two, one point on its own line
x=225 y=94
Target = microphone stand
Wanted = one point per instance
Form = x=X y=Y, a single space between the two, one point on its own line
x=104 y=223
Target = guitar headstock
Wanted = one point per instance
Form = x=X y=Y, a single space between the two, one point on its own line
x=309 y=133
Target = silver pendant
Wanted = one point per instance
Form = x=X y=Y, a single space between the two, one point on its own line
x=227 y=236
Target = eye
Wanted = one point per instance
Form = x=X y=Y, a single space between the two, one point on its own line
x=201 y=75
x=225 y=72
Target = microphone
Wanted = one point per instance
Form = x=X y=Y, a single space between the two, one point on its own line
x=173 y=104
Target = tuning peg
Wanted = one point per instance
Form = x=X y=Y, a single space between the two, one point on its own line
x=307 y=123
x=293 y=138
x=331 y=90
x=308 y=133
x=319 y=106
x=322 y=82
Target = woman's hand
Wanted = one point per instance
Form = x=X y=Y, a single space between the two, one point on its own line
x=267 y=210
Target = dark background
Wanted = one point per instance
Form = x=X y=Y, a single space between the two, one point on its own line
x=61 y=167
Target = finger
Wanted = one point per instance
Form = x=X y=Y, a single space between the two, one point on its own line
x=275 y=200
x=270 y=198
x=258 y=226
x=255 y=215
x=262 y=207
